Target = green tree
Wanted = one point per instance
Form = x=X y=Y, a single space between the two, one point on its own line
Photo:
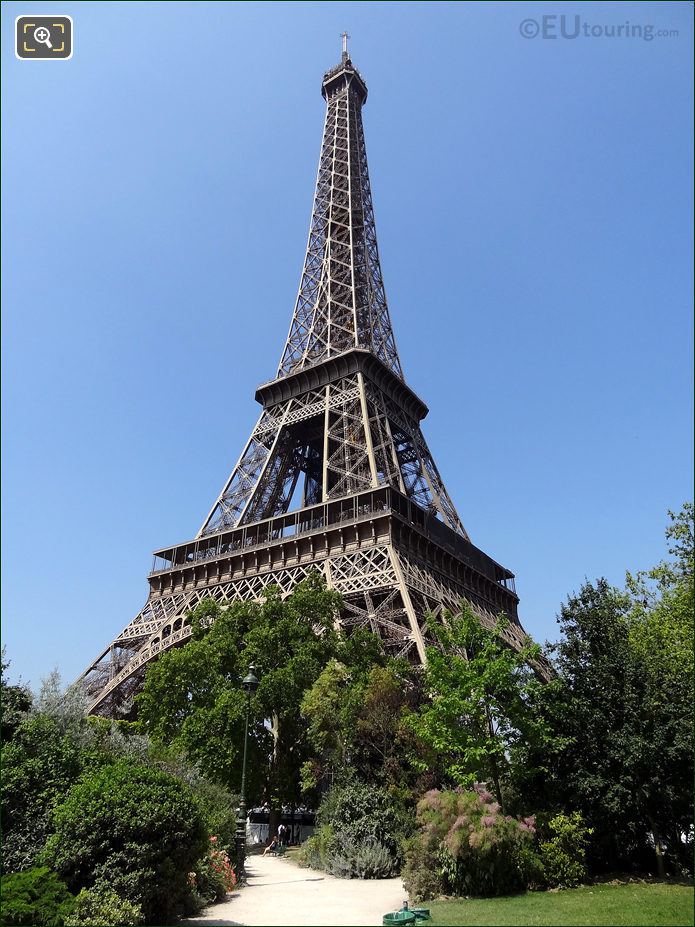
x=15 y=702
x=661 y=639
x=55 y=746
x=480 y=705
x=50 y=749
x=593 y=707
x=386 y=749
x=329 y=708
x=193 y=702
x=621 y=710
x=356 y=724
x=192 y=697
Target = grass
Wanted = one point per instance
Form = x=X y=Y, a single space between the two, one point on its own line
x=603 y=905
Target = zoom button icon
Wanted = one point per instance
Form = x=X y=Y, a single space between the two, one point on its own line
x=43 y=37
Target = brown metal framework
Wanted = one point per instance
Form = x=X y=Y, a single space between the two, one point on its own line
x=336 y=475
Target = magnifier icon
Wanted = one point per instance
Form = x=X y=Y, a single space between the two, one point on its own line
x=43 y=36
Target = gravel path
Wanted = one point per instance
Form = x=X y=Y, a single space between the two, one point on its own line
x=280 y=894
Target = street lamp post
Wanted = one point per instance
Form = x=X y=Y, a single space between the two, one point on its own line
x=250 y=684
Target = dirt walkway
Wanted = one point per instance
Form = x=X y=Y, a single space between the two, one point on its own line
x=280 y=894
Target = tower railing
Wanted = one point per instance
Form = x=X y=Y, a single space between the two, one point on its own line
x=360 y=507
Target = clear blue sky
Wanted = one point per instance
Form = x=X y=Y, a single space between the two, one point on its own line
x=533 y=210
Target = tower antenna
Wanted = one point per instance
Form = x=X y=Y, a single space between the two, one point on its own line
x=344 y=36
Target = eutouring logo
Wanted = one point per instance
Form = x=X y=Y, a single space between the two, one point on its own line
x=561 y=26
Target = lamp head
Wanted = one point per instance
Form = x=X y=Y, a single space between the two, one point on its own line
x=249 y=682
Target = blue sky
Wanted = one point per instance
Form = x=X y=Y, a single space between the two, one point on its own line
x=532 y=202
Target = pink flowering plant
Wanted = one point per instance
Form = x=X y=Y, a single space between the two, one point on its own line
x=465 y=845
x=214 y=874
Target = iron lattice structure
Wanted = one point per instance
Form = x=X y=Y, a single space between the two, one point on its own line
x=336 y=475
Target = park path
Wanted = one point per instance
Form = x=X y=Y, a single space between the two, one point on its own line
x=280 y=894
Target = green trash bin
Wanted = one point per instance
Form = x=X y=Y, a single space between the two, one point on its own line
x=399 y=919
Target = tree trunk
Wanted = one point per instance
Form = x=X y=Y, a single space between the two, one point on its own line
x=274 y=811
x=493 y=762
x=658 y=849
x=678 y=848
x=273 y=822
x=496 y=783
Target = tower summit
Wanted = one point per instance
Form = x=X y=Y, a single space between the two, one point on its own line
x=341 y=301
x=336 y=476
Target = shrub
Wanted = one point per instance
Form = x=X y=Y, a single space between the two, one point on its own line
x=368 y=860
x=102 y=907
x=213 y=874
x=422 y=874
x=314 y=852
x=217 y=804
x=360 y=833
x=133 y=828
x=36 y=898
x=48 y=753
x=364 y=814
x=563 y=855
x=218 y=807
x=467 y=847
x=346 y=857
x=39 y=766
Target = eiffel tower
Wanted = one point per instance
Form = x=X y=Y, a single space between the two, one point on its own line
x=336 y=475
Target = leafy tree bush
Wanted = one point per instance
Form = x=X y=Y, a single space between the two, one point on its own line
x=193 y=701
x=36 y=898
x=133 y=829
x=217 y=804
x=218 y=807
x=15 y=702
x=361 y=829
x=98 y=908
x=366 y=860
x=39 y=766
x=563 y=854
x=620 y=712
x=315 y=851
x=356 y=726
x=364 y=813
x=50 y=749
x=481 y=697
x=329 y=708
x=661 y=642
x=466 y=846
x=66 y=705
